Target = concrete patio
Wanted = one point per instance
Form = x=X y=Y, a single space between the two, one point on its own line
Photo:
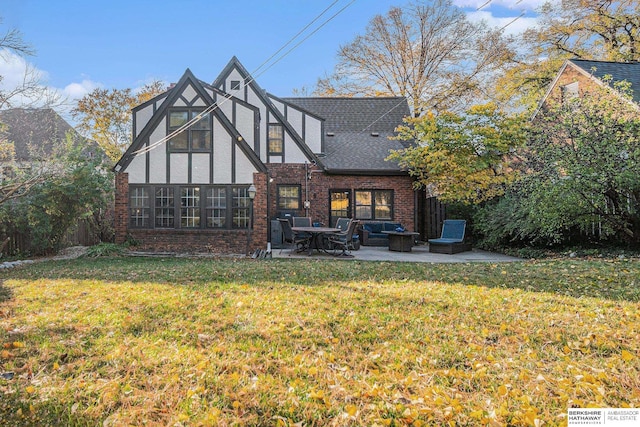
x=419 y=253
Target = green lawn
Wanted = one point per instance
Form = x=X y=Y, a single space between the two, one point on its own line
x=129 y=341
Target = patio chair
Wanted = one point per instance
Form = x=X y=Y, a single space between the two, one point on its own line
x=299 y=243
x=342 y=243
x=451 y=240
x=343 y=224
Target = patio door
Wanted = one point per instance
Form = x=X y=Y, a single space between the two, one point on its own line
x=340 y=205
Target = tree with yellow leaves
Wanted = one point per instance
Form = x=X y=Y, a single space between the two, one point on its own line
x=461 y=158
x=105 y=115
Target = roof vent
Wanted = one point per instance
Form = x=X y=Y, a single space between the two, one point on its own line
x=375 y=134
x=331 y=134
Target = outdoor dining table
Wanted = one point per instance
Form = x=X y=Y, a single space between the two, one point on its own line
x=316 y=235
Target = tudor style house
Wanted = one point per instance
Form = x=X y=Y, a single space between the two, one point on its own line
x=197 y=148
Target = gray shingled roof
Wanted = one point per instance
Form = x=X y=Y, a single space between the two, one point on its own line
x=34 y=131
x=350 y=127
x=619 y=71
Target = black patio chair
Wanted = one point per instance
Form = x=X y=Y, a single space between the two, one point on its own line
x=297 y=243
x=342 y=243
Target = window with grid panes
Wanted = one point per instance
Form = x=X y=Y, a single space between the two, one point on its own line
x=288 y=197
x=374 y=204
x=196 y=136
x=190 y=207
x=139 y=207
x=164 y=207
x=216 y=208
x=240 y=207
x=275 y=143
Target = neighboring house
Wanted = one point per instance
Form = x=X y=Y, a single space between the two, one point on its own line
x=37 y=134
x=579 y=75
x=182 y=187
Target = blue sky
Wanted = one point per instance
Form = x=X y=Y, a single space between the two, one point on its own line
x=84 y=44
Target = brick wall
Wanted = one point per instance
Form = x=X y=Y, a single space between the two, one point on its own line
x=264 y=209
x=570 y=75
x=121 y=207
x=320 y=184
x=193 y=241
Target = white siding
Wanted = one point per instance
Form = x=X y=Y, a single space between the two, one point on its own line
x=313 y=134
x=245 y=123
x=189 y=93
x=244 y=167
x=292 y=153
x=255 y=100
x=158 y=155
x=179 y=164
x=137 y=169
x=221 y=154
x=295 y=118
x=179 y=103
x=235 y=75
x=142 y=118
x=159 y=102
x=199 y=103
x=226 y=106
x=279 y=105
x=200 y=168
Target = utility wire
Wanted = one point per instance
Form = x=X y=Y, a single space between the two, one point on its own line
x=253 y=77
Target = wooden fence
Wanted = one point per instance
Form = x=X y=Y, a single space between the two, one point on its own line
x=80 y=235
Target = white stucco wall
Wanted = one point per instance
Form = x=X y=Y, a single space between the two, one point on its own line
x=254 y=100
x=244 y=167
x=158 y=155
x=137 y=169
x=179 y=168
x=221 y=154
x=313 y=134
x=292 y=153
x=142 y=118
x=189 y=93
x=295 y=118
x=200 y=168
x=245 y=123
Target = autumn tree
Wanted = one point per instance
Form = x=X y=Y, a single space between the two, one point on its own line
x=585 y=29
x=104 y=115
x=581 y=166
x=461 y=157
x=428 y=52
x=30 y=91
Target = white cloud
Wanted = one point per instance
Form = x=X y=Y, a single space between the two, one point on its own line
x=16 y=71
x=14 y=68
x=510 y=4
x=513 y=25
x=76 y=91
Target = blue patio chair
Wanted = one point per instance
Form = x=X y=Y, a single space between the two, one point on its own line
x=451 y=240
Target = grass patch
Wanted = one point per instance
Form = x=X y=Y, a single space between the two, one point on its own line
x=119 y=341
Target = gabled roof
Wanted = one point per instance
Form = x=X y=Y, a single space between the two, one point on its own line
x=382 y=114
x=357 y=132
x=619 y=71
x=234 y=63
x=597 y=70
x=172 y=95
x=35 y=131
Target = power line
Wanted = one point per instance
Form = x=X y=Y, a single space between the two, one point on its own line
x=253 y=77
x=485 y=3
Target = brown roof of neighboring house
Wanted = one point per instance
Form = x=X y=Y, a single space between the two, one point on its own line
x=35 y=131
